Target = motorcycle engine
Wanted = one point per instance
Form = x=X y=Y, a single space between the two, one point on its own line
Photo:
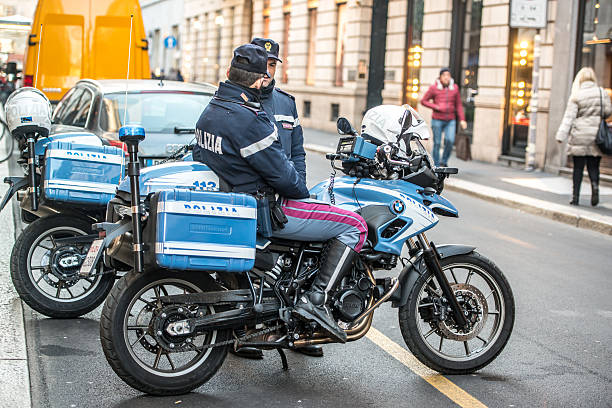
x=351 y=298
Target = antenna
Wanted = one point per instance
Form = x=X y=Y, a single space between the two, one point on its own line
x=128 y=72
x=38 y=56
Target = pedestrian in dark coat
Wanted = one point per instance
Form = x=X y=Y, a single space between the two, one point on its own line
x=580 y=125
x=444 y=98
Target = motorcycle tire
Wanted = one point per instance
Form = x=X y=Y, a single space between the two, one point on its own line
x=410 y=318
x=124 y=360
x=23 y=276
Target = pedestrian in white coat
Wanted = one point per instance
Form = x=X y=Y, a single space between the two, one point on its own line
x=580 y=125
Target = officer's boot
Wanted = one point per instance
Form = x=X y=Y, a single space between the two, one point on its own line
x=337 y=261
x=594 y=193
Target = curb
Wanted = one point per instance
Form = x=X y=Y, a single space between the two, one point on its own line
x=573 y=216
x=14 y=370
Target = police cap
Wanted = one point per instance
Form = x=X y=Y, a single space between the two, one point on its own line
x=255 y=56
x=269 y=45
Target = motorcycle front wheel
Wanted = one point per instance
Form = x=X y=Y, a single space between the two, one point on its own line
x=46 y=273
x=137 y=345
x=486 y=299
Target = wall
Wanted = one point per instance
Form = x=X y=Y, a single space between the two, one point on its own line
x=162 y=15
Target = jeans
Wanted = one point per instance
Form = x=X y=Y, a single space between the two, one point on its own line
x=448 y=127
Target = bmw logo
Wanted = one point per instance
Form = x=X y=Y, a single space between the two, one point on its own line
x=398 y=206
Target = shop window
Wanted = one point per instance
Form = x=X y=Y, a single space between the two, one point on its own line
x=285 y=45
x=266 y=19
x=341 y=21
x=306 y=110
x=519 y=92
x=312 y=43
x=335 y=112
x=594 y=49
x=412 y=64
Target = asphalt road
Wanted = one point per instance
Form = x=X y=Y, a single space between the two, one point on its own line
x=559 y=353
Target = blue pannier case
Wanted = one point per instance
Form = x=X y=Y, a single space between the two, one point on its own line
x=82 y=174
x=204 y=230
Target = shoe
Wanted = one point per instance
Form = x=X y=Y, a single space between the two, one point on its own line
x=594 y=193
x=337 y=261
x=443 y=165
x=310 y=351
x=575 y=195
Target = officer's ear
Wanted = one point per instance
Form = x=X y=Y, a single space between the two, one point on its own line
x=227 y=73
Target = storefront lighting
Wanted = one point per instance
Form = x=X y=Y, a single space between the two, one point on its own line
x=521 y=84
x=415 y=88
x=521 y=93
x=523 y=53
x=523 y=61
x=415 y=81
x=520 y=102
x=417 y=56
x=415 y=95
x=596 y=5
x=524 y=44
x=417 y=63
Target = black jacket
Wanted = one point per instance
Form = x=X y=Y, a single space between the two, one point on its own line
x=281 y=109
x=239 y=143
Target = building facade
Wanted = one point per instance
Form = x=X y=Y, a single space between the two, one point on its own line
x=329 y=50
x=162 y=20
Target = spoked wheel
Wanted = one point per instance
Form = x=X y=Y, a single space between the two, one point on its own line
x=135 y=336
x=486 y=300
x=46 y=273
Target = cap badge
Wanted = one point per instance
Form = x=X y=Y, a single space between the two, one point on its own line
x=268 y=46
x=244 y=97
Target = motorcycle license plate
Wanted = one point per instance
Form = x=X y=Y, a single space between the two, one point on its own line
x=90 y=260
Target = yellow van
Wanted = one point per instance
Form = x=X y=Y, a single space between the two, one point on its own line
x=84 y=39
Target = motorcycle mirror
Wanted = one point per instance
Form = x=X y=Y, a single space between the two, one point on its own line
x=345 y=127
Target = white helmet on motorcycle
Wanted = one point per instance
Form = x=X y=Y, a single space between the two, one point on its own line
x=28 y=111
x=384 y=123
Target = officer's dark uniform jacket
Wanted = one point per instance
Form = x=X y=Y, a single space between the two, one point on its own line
x=239 y=143
x=280 y=107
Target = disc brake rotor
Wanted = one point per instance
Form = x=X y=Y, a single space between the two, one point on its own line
x=475 y=309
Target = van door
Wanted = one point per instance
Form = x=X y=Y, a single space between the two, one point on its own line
x=62 y=53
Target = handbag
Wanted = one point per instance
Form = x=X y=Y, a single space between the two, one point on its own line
x=603 y=140
x=463 y=149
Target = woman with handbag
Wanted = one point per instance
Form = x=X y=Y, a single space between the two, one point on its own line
x=588 y=105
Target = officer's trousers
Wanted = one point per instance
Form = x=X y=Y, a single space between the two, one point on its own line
x=314 y=221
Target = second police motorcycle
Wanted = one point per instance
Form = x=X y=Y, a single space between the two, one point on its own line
x=69 y=178
x=169 y=323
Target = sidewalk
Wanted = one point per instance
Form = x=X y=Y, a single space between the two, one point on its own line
x=536 y=192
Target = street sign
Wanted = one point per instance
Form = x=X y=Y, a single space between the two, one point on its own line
x=528 y=13
x=170 y=42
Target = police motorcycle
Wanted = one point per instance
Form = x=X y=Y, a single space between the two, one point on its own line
x=69 y=179
x=169 y=323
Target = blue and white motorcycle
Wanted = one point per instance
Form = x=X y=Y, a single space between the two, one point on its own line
x=168 y=324
x=69 y=178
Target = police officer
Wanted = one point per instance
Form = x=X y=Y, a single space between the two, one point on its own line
x=280 y=107
x=237 y=140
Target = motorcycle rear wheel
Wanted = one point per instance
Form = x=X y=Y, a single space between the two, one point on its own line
x=486 y=297
x=39 y=280
x=123 y=326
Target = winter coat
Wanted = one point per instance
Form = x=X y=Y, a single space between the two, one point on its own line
x=582 y=118
x=444 y=100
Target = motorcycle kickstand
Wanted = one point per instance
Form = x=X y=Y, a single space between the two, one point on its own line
x=283 y=357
